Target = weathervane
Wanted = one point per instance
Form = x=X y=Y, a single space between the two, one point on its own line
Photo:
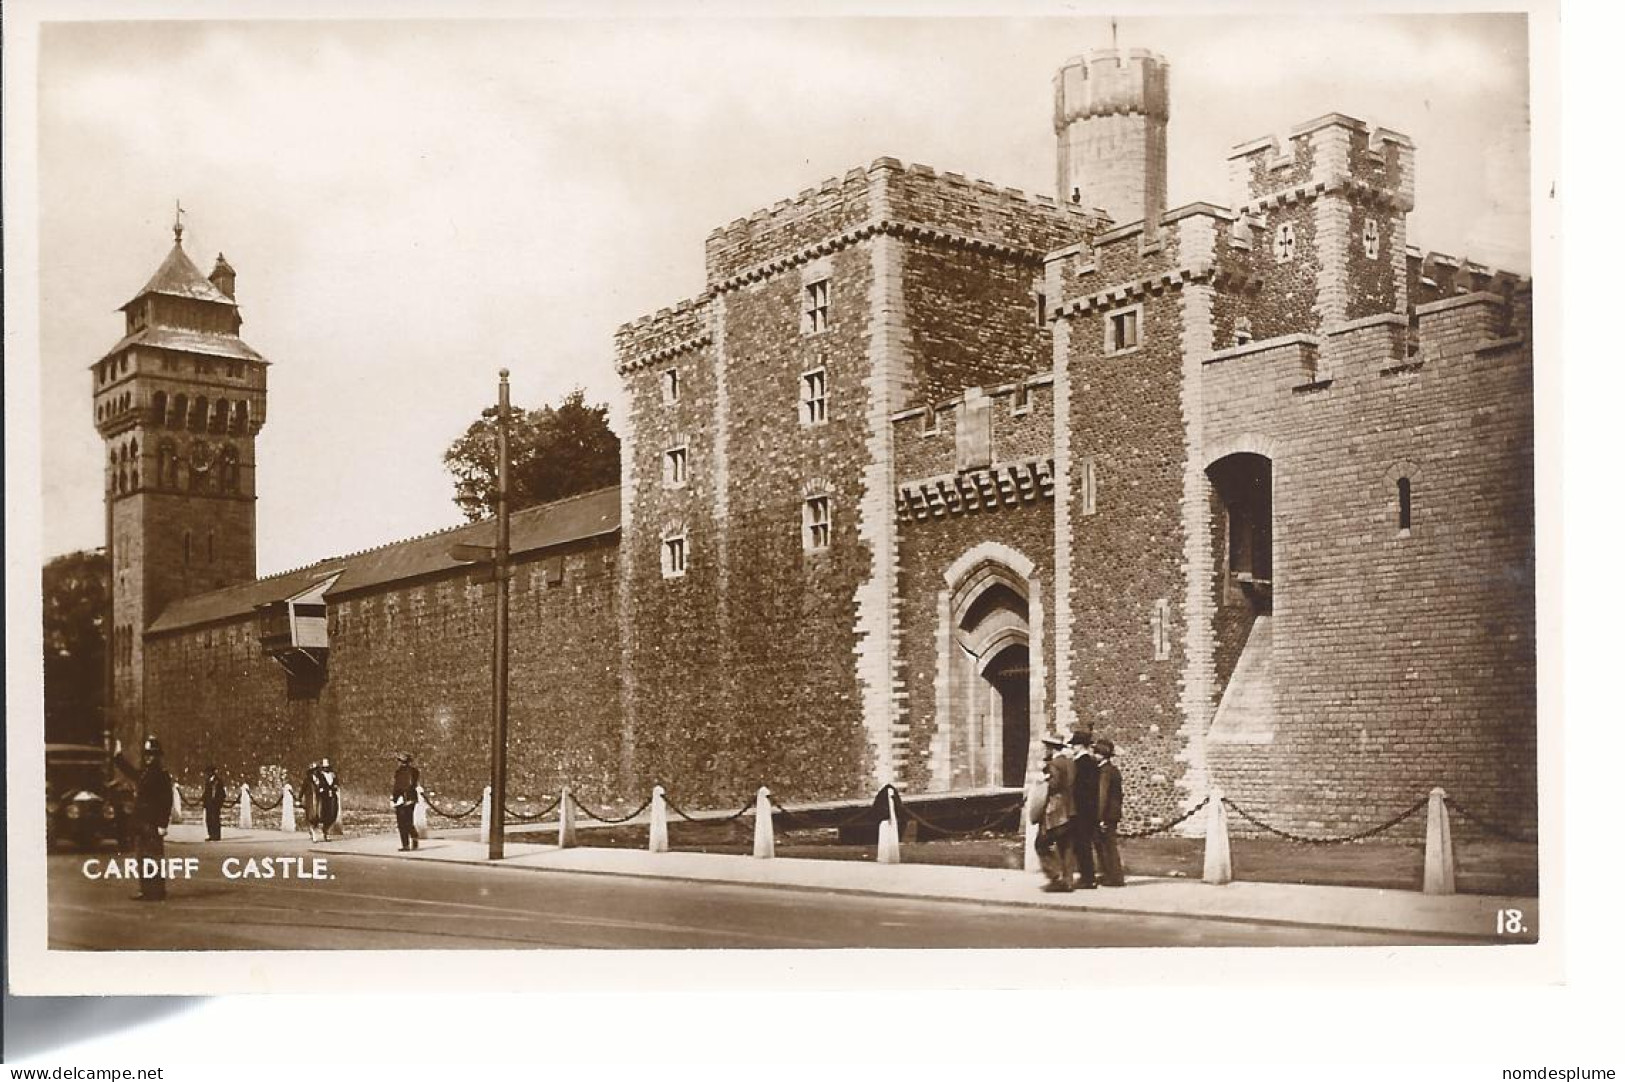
x=178 y=227
x=1114 y=43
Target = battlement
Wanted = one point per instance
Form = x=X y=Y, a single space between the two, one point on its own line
x=1434 y=276
x=1108 y=82
x=1196 y=239
x=884 y=196
x=1331 y=152
x=667 y=332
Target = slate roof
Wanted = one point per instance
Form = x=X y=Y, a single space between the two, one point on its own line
x=186 y=341
x=592 y=514
x=178 y=276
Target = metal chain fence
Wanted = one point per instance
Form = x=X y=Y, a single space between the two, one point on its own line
x=1339 y=840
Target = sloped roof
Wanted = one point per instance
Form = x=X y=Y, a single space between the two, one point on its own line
x=214 y=345
x=592 y=514
x=178 y=276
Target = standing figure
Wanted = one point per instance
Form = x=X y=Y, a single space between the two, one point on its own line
x=1111 y=813
x=154 y=800
x=214 y=799
x=405 y=800
x=1054 y=844
x=320 y=797
x=1086 y=805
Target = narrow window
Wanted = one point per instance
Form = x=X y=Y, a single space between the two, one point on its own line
x=1086 y=494
x=676 y=471
x=1286 y=242
x=1161 y=644
x=1042 y=308
x=815 y=523
x=668 y=386
x=1022 y=400
x=813 y=407
x=1370 y=239
x=1405 y=505
x=1123 y=330
x=673 y=556
x=815 y=307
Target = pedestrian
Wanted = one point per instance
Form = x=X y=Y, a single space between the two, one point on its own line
x=214 y=799
x=405 y=800
x=1054 y=844
x=1086 y=804
x=1110 y=814
x=154 y=800
x=320 y=796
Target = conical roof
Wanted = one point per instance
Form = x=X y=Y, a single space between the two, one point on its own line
x=178 y=276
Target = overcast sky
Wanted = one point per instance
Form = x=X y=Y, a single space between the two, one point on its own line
x=412 y=205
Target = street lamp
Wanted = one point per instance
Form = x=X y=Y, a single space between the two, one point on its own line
x=497 y=556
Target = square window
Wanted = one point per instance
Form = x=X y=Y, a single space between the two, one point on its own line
x=815 y=307
x=673 y=556
x=1123 y=330
x=814 y=410
x=668 y=386
x=676 y=467
x=815 y=523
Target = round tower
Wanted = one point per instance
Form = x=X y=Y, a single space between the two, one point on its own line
x=1111 y=131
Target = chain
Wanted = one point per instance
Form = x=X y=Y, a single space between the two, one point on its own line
x=276 y=802
x=740 y=814
x=1485 y=825
x=531 y=817
x=606 y=819
x=464 y=814
x=1357 y=836
x=1164 y=828
x=186 y=801
x=988 y=824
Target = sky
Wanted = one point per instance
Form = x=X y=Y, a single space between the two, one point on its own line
x=412 y=205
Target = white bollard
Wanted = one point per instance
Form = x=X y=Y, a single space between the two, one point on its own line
x=485 y=817
x=658 y=841
x=245 y=808
x=763 y=846
x=337 y=829
x=1029 y=850
x=1439 y=862
x=567 y=820
x=288 y=824
x=1216 y=853
x=175 y=809
x=887 y=849
x=420 y=814
x=1037 y=793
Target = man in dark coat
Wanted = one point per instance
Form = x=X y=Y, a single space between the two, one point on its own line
x=1111 y=813
x=405 y=800
x=1086 y=804
x=214 y=799
x=154 y=800
x=1054 y=843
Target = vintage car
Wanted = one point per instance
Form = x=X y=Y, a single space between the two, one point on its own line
x=82 y=810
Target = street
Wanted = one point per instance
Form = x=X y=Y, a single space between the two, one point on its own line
x=371 y=903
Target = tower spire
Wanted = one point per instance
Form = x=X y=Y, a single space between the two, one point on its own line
x=178 y=227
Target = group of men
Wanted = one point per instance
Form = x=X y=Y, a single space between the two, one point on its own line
x=1077 y=821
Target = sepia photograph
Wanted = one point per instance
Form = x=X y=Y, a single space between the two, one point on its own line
x=737 y=485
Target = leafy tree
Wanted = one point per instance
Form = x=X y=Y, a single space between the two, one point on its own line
x=74 y=590
x=555 y=451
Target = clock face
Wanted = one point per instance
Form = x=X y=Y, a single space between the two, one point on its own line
x=200 y=456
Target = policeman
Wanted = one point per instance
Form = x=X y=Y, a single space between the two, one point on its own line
x=154 y=799
x=214 y=799
x=405 y=800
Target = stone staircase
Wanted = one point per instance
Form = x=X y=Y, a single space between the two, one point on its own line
x=1246 y=713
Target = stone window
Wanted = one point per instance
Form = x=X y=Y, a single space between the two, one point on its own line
x=1161 y=631
x=1369 y=238
x=1123 y=329
x=1022 y=400
x=234 y=369
x=814 y=407
x=668 y=386
x=1041 y=308
x=815 y=307
x=1286 y=242
x=1086 y=487
x=1403 y=487
x=815 y=523
x=676 y=467
x=673 y=556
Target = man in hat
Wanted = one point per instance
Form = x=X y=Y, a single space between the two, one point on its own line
x=405 y=800
x=1055 y=835
x=214 y=799
x=154 y=800
x=1086 y=805
x=1110 y=814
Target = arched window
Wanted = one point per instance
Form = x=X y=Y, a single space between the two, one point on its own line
x=230 y=471
x=122 y=480
x=178 y=418
x=198 y=419
x=239 y=417
x=168 y=465
x=222 y=416
x=160 y=408
x=1404 y=491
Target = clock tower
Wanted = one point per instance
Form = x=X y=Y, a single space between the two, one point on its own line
x=178 y=401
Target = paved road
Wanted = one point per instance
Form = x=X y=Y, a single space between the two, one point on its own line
x=371 y=903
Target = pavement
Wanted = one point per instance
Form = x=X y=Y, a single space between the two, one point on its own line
x=1448 y=917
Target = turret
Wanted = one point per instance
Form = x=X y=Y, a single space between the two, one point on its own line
x=1111 y=130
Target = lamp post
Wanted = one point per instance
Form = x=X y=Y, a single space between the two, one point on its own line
x=497 y=555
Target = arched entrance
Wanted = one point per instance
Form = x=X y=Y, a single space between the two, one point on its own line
x=990 y=678
x=1007 y=676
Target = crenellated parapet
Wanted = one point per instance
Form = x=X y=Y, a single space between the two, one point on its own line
x=1333 y=153
x=1106 y=82
x=658 y=337
x=1435 y=276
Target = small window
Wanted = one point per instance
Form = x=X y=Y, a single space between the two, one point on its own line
x=673 y=556
x=1123 y=330
x=1086 y=490
x=1041 y=308
x=1022 y=400
x=1161 y=633
x=815 y=307
x=1404 y=486
x=668 y=386
x=814 y=409
x=815 y=523
x=1370 y=239
x=1286 y=242
x=676 y=471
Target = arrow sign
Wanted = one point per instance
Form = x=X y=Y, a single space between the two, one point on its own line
x=472 y=554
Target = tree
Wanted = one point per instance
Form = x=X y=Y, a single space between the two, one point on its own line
x=555 y=451
x=74 y=591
